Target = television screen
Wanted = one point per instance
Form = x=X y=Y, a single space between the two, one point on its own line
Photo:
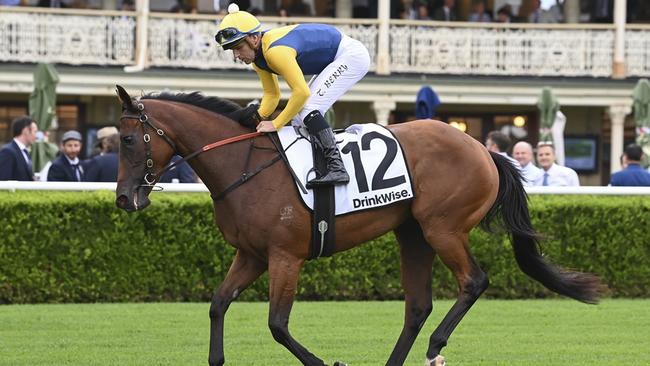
x=581 y=153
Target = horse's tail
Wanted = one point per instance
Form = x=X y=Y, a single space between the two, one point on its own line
x=511 y=209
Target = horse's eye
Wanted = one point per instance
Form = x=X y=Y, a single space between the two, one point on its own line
x=127 y=140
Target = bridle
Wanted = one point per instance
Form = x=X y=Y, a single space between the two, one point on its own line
x=150 y=175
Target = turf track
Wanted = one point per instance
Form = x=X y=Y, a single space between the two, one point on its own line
x=531 y=332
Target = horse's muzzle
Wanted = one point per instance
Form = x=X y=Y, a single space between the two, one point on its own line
x=122 y=202
x=132 y=200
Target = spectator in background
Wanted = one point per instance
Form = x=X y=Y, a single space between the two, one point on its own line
x=181 y=173
x=403 y=9
x=523 y=153
x=177 y=8
x=15 y=160
x=504 y=14
x=102 y=134
x=553 y=174
x=602 y=11
x=128 y=5
x=499 y=143
x=52 y=4
x=535 y=15
x=296 y=7
x=103 y=167
x=66 y=167
x=479 y=14
x=447 y=12
x=633 y=175
x=10 y=2
x=364 y=9
x=422 y=12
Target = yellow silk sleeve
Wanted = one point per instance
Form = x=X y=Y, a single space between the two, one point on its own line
x=282 y=60
x=271 y=96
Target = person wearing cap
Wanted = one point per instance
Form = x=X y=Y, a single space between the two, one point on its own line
x=66 y=167
x=336 y=61
x=100 y=144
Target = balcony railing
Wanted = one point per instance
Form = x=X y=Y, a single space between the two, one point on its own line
x=69 y=37
x=186 y=41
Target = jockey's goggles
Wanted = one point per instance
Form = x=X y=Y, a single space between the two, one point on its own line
x=228 y=37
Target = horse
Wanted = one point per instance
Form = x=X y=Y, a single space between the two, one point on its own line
x=457 y=185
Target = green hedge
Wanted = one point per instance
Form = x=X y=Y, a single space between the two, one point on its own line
x=77 y=247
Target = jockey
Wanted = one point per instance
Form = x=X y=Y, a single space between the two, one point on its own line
x=336 y=61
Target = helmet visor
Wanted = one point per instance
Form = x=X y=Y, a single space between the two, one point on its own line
x=228 y=35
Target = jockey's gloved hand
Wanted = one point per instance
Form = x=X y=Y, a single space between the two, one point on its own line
x=248 y=116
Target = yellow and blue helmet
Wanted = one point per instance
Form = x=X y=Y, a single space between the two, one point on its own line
x=235 y=27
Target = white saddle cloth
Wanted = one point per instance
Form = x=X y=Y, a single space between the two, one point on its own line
x=373 y=158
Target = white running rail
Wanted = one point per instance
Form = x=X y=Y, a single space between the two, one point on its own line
x=200 y=187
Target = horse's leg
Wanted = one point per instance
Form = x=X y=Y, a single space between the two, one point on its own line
x=243 y=271
x=417 y=260
x=453 y=250
x=283 y=279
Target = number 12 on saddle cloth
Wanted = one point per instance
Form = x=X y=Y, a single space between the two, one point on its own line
x=373 y=158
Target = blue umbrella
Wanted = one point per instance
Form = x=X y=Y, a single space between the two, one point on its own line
x=426 y=103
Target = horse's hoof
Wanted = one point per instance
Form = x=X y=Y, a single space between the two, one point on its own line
x=339 y=363
x=437 y=361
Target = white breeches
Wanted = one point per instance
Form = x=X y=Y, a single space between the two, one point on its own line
x=349 y=66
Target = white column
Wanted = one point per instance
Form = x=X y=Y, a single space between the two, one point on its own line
x=617 y=115
x=382 y=110
x=383 y=52
x=620 y=9
x=344 y=8
x=142 y=38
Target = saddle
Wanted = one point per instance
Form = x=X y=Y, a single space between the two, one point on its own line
x=376 y=165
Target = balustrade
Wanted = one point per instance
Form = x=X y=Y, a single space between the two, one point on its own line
x=77 y=37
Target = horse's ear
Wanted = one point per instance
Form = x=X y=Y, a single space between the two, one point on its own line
x=125 y=98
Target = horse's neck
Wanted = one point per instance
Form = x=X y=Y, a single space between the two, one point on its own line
x=219 y=166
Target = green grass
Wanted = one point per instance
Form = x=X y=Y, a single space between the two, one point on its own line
x=530 y=332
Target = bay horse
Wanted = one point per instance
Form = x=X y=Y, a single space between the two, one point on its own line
x=457 y=184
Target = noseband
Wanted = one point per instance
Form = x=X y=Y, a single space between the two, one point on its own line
x=150 y=175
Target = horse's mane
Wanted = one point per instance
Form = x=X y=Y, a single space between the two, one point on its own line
x=217 y=105
x=214 y=104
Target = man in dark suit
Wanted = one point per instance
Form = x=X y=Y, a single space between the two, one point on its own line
x=182 y=173
x=15 y=161
x=447 y=12
x=602 y=11
x=103 y=167
x=633 y=175
x=66 y=167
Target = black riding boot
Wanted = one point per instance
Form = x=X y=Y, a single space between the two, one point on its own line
x=326 y=141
